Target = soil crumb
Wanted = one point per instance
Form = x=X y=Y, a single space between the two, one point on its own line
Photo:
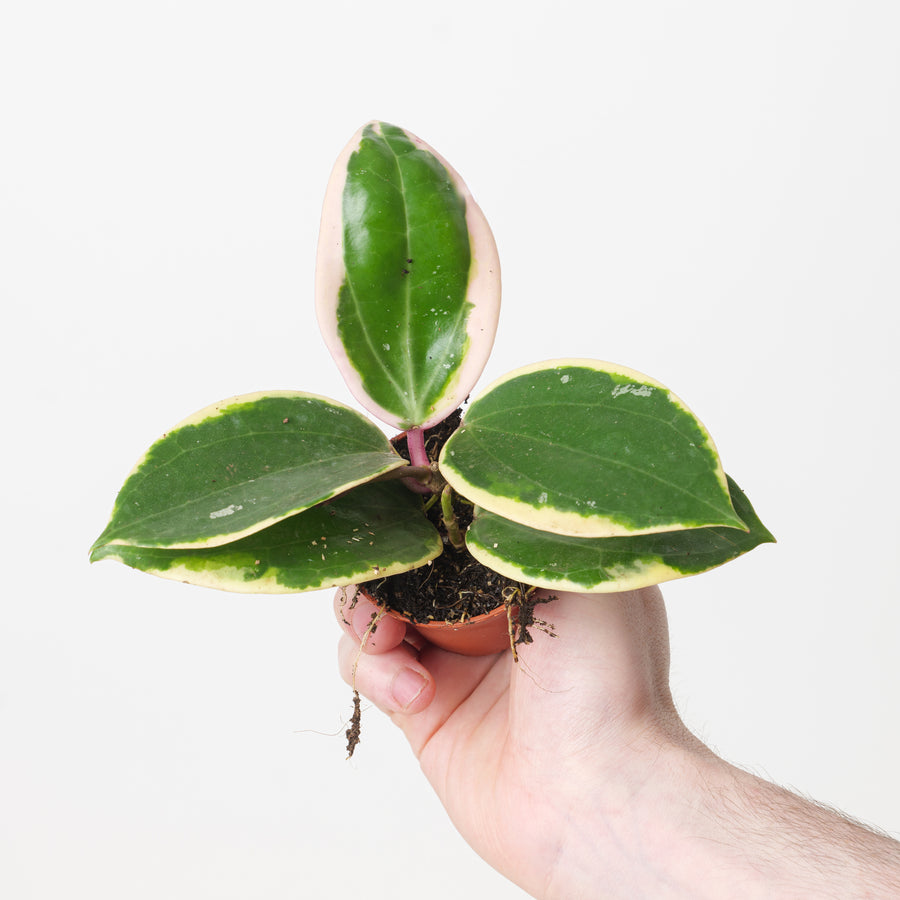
x=353 y=729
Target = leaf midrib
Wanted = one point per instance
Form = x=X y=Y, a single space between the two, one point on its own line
x=234 y=485
x=593 y=457
x=411 y=401
x=242 y=438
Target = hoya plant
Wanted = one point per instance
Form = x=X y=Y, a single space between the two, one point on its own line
x=568 y=474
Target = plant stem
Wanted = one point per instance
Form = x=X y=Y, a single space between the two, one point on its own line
x=418 y=456
x=454 y=535
x=416 y=478
x=415 y=443
x=421 y=474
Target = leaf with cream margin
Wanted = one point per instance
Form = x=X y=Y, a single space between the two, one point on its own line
x=598 y=565
x=407 y=278
x=371 y=531
x=588 y=449
x=238 y=466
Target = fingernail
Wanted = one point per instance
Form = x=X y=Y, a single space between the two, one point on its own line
x=406 y=687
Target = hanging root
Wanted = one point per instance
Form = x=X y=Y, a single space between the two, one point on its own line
x=509 y=596
x=348 y=604
x=353 y=729
x=520 y=603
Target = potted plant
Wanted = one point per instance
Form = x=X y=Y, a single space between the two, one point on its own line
x=570 y=474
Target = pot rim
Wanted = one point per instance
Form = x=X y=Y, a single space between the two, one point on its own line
x=481 y=635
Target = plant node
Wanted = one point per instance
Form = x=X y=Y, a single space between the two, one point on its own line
x=454 y=535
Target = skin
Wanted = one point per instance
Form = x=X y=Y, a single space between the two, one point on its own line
x=572 y=774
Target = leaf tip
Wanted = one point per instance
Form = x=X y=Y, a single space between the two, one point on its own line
x=96 y=552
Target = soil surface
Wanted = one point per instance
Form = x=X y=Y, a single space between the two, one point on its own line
x=455 y=586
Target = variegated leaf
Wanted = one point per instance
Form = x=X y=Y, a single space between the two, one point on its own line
x=240 y=465
x=368 y=532
x=588 y=449
x=597 y=565
x=407 y=278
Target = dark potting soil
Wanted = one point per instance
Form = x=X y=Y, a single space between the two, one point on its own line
x=455 y=586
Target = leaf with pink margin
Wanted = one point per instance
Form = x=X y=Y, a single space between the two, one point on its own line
x=407 y=278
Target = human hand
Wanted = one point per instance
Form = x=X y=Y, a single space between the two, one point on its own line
x=522 y=755
x=571 y=773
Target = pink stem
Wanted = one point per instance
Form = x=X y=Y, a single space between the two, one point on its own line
x=415 y=443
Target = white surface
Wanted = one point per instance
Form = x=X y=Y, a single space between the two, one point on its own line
x=706 y=192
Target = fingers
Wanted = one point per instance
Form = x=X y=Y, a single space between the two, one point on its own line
x=379 y=657
x=394 y=680
x=359 y=618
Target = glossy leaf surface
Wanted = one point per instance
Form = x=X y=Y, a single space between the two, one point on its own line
x=597 y=565
x=369 y=532
x=241 y=465
x=407 y=278
x=587 y=449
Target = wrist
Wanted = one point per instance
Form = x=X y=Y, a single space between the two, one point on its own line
x=624 y=833
x=674 y=820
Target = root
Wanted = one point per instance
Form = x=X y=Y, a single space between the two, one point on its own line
x=353 y=729
x=352 y=601
x=520 y=620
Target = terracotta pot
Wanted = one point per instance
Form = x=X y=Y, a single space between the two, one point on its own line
x=478 y=636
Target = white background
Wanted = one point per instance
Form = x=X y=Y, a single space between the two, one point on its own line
x=705 y=191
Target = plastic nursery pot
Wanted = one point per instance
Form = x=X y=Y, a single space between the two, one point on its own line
x=479 y=636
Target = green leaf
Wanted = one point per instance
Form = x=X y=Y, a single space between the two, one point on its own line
x=239 y=466
x=588 y=449
x=596 y=565
x=407 y=278
x=369 y=532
